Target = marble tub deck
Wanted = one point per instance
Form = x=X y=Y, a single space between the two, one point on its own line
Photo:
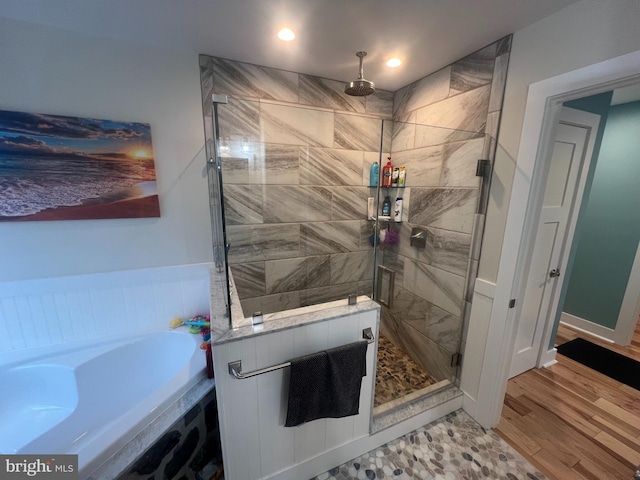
x=454 y=447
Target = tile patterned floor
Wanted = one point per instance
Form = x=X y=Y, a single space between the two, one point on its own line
x=454 y=447
x=397 y=374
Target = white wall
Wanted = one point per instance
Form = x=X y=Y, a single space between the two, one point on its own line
x=582 y=34
x=46 y=70
x=473 y=353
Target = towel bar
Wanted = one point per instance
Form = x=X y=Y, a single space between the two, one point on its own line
x=235 y=368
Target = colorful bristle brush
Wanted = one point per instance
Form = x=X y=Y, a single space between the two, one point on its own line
x=200 y=322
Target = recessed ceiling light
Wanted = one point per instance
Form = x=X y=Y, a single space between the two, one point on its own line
x=286 y=34
x=394 y=62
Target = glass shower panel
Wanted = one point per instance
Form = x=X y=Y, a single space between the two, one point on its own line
x=296 y=192
x=427 y=248
x=221 y=317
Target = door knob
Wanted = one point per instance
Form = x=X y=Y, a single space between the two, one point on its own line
x=554 y=273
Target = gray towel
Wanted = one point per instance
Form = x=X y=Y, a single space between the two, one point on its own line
x=326 y=384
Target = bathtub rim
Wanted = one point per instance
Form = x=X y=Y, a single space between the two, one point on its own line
x=100 y=452
x=129 y=424
x=14 y=358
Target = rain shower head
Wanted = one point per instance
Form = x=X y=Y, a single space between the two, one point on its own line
x=360 y=87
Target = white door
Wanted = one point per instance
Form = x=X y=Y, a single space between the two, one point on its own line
x=563 y=193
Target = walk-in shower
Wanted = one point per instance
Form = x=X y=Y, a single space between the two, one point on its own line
x=290 y=163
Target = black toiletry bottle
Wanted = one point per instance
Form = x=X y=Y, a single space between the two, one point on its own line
x=386 y=207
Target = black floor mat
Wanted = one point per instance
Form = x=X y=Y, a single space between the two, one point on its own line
x=607 y=362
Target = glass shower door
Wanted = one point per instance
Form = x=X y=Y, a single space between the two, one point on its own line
x=423 y=262
x=295 y=191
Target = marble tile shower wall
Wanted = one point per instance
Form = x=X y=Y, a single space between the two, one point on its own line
x=443 y=195
x=296 y=153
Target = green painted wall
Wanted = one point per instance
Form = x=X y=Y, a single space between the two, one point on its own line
x=600 y=105
x=610 y=227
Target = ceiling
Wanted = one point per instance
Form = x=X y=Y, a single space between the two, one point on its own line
x=426 y=34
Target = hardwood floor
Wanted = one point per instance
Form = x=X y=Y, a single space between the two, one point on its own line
x=573 y=422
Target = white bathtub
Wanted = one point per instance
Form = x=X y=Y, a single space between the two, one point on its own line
x=92 y=400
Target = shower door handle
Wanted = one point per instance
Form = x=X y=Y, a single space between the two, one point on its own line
x=385 y=278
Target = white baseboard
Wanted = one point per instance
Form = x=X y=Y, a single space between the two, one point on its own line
x=603 y=333
x=339 y=455
x=549 y=358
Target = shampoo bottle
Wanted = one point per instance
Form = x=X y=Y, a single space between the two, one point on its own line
x=397 y=210
x=394 y=177
x=387 y=173
x=402 y=176
x=374 y=174
x=386 y=207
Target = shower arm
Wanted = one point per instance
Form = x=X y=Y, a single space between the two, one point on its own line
x=361 y=72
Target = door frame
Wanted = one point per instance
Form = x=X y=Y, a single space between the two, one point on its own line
x=581 y=119
x=542 y=113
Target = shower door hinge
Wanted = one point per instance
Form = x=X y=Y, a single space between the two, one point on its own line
x=456 y=359
x=512 y=303
x=220 y=98
x=482 y=168
x=257 y=318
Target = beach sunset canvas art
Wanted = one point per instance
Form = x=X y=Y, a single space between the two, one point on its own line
x=71 y=168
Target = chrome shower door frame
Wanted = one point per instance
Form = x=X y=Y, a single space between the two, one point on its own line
x=220 y=279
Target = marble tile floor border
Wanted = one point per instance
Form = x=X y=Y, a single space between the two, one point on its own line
x=406 y=409
x=454 y=447
x=410 y=398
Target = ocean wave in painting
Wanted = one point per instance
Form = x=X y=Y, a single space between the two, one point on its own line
x=51 y=161
x=28 y=186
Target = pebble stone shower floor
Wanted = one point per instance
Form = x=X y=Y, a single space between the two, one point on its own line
x=454 y=447
x=397 y=374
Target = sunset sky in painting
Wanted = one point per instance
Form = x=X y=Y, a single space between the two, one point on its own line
x=50 y=136
x=51 y=161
